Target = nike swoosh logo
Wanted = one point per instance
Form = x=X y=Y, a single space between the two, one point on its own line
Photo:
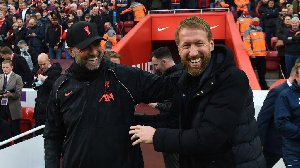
x=214 y=27
x=161 y=29
x=67 y=94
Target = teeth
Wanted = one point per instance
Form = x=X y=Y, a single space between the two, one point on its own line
x=92 y=59
x=196 y=60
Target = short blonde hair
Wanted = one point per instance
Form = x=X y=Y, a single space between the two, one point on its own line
x=193 y=22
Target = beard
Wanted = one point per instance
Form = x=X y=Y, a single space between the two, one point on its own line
x=92 y=58
x=196 y=70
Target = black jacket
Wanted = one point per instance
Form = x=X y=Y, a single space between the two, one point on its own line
x=89 y=114
x=166 y=118
x=218 y=128
x=270 y=16
x=54 y=36
x=21 y=68
x=18 y=35
x=43 y=91
x=271 y=140
x=291 y=46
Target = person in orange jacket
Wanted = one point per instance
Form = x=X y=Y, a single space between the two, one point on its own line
x=241 y=5
x=255 y=45
x=138 y=10
x=244 y=21
x=109 y=36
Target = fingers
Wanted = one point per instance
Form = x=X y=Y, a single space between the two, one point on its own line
x=135 y=127
x=137 y=142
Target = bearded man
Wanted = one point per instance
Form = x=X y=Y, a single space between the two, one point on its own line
x=91 y=107
x=217 y=125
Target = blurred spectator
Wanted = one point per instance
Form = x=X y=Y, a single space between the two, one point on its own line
x=138 y=10
x=290 y=8
x=255 y=45
x=45 y=81
x=98 y=20
x=35 y=35
x=270 y=16
x=85 y=9
x=260 y=9
x=54 y=38
x=4 y=131
x=109 y=36
x=296 y=5
x=157 y=4
x=175 y=4
x=19 y=34
x=241 y=5
x=30 y=56
x=113 y=16
x=282 y=4
x=287 y=110
x=39 y=19
x=51 y=6
x=113 y=56
x=11 y=84
x=291 y=40
x=77 y=4
x=23 y=10
x=281 y=16
x=87 y=18
x=279 y=45
x=80 y=15
x=32 y=9
x=20 y=65
x=270 y=138
x=67 y=55
x=120 y=7
x=243 y=22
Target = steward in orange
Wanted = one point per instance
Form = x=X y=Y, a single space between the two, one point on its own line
x=241 y=5
x=244 y=21
x=109 y=36
x=255 y=45
x=138 y=10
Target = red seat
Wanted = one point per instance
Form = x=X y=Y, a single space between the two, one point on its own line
x=273 y=41
x=119 y=37
x=128 y=25
x=27 y=121
x=272 y=61
x=120 y=28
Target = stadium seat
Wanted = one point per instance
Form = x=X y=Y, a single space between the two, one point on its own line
x=119 y=37
x=272 y=61
x=27 y=121
x=128 y=25
x=273 y=42
x=120 y=28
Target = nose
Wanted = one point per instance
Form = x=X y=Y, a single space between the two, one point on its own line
x=95 y=49
x=193 y=50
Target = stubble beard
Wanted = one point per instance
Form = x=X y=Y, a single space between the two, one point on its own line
x=196 y=71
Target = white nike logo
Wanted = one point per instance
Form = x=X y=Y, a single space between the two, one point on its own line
x=214 y=27
x=161 y=29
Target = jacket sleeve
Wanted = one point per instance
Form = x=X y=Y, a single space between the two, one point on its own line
x=283 y=118
x=53 y=133
x=247 y=42
x=25 y=68
x=280 y=33
x=52 y=77
x=266 y=114
x=285 y=38
x=19 y=86
x=213 y=132
x=40 y=34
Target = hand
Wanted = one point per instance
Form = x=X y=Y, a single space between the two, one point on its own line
x=290 y=38
x=152 y=105
x=43 y=78
x=143 y=134
x=55 y=48
x=47 y=44
x=252 y=56
x=33 y=34
x=7 y=94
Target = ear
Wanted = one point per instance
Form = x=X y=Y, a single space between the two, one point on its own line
x=70 y=51
x=212 y=45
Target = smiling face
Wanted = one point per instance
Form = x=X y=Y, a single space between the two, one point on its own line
x=90 y=57
x=194 y=49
